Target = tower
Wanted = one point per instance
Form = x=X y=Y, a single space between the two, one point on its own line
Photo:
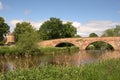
x=10 y=39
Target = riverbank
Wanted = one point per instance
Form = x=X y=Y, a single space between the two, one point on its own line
x=49 y=50
x=10 y=50
x=105 y=70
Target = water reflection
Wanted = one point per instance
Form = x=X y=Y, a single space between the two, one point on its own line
x=66 y=59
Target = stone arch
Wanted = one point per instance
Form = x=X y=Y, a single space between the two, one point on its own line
x=90 y=42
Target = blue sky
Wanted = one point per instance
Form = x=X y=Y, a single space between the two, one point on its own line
x=87 y=15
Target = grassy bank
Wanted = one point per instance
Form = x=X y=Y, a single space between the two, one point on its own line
x=106 y=70
x=47 y=50
x=8 y=50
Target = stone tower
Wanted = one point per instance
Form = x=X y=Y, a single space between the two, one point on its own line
x=10 y=39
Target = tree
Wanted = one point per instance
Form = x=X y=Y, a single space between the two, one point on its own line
x=21 y=28
x=27 y=38
x=93 y=35
x=108 y=33
x=112 y=32
x=117 y=30
x=68 y=30
x=54 y=28
x=4 y=29
x=27 y=42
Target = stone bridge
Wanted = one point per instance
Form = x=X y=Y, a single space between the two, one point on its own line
x=82 y=43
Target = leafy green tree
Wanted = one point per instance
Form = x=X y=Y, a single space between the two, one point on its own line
x=108 y=33
x=4 y=29
x=112 y=32
x=68 y=30
x=93 y=35
x=117 y=30
x=27 y=42
x=54 y=28
x=21 y=28
x=77 y=36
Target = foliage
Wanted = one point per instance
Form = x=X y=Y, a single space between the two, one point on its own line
x=5 y=50
x=99 y=45
x=54 y=28
x=48 y=50
x=112 y=32
x=21 y=28
x=91 y=47
x=106 y=70
x=93 y=35
x=4 y=28
x=28 y=42
x=77 y=36
x=68 y=30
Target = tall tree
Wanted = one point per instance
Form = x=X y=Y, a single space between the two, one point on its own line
x=21 y=28
x=54 y=28
x=4 y=28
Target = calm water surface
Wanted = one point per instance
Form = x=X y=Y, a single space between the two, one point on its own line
x=65 y=59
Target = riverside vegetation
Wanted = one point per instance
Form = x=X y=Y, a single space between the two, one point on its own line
x=104 y=70
x=26 y=39
x=6 y=50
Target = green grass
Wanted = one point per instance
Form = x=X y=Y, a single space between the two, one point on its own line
x=48 y=50
x=105 y=70
x=11 y=50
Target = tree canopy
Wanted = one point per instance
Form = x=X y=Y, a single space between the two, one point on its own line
x=21 y=28
x=93 y=35
x=27 y=42
x=4 y=28
x=54 y=28
x=112 y=32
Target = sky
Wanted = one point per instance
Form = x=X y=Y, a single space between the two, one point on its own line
x=88 y=16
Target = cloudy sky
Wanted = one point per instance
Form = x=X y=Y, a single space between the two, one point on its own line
x=88 y=16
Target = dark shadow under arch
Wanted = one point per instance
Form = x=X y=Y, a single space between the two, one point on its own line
x=99 y=45
x=65 y=44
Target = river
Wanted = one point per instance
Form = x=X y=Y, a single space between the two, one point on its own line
x=64 y=59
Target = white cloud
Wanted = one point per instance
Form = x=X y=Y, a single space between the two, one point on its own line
x=35 y=24
x=13 y=22
x=1 y=6
x=76 y=24
x=26 y=12
x=94 y=27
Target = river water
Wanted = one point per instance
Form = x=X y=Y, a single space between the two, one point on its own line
x=64 y=59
